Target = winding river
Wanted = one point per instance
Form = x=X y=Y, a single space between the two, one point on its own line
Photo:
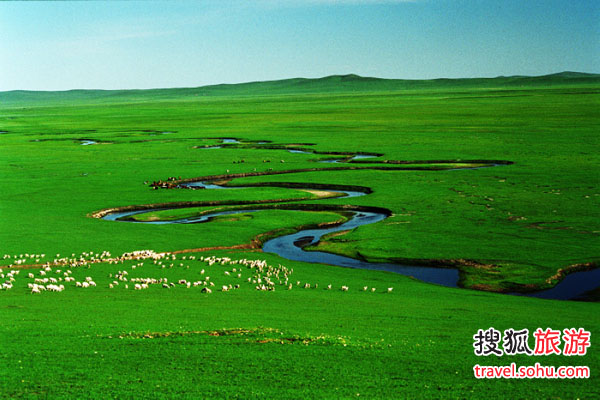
x=573 y=286
x=289 y=246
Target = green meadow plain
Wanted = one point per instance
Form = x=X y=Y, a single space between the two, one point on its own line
x=510 y=227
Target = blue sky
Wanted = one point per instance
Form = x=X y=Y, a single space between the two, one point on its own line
x=129 y=44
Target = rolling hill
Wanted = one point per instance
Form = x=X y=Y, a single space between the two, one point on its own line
x=329 y=84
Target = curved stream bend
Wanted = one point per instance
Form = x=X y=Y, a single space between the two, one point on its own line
x=573 y=286
x=287 y=246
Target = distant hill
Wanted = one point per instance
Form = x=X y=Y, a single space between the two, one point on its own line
x=329 y=84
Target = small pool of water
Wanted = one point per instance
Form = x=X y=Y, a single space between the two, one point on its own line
x=345 y=159
x=206 y=185
x=299 y=152
x=363 y=156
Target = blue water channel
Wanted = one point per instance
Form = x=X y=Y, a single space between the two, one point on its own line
x=572 y=287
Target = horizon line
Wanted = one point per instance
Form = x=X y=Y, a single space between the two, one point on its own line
x=300 y=77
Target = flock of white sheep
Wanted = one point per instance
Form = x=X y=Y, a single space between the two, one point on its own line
x=52 y=275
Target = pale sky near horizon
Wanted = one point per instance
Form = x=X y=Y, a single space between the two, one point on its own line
x=150 y=44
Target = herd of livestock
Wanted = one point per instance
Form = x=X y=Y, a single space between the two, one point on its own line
x=58 y=274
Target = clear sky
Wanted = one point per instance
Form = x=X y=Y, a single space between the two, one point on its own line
x=148 y=44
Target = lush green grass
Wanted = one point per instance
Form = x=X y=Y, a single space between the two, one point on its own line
x=414 y=342
x=529 y=219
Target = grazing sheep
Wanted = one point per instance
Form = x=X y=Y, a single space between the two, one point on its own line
x=55 y=288
x=206 y=290
x=344 y=288
x=373 y=290
x=390 y=289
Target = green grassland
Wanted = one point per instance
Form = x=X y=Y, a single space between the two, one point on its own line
x=525 y=221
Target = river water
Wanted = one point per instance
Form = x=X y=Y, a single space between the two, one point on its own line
x=573 y=286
